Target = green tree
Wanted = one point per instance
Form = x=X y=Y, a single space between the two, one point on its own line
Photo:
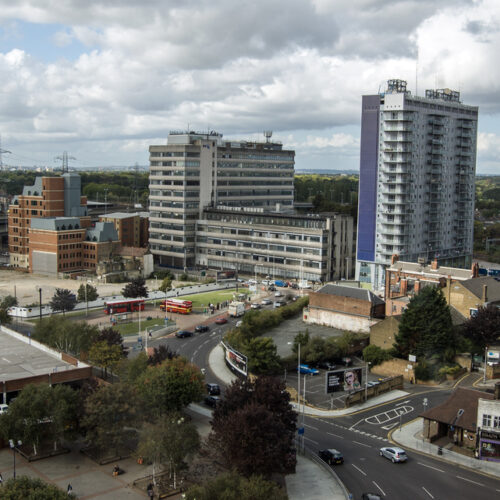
x=374 y=355
x=29 y=488
x=63 y=300
x=168 y=442
x=160 y=354
x=110 y=415
x=253 y=428
x=425 y=328
x=483 y=329
x=170 y=386
x=5 y=318
x=106 y=356
x=136 y=288
x=131 y=369
x=73 y=337
x=166 y=285
x=91 y=293
x=40 y=414
x=262 y=355
x=112 y=337
x=232 y=486
x=8 y=301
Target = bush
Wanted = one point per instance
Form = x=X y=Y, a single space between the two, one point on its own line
x=422 y=371
x=374 y=355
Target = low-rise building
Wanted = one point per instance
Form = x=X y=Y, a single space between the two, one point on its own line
x=132 y=228
x=488 y=421
x=347 y=308
x=467 y=296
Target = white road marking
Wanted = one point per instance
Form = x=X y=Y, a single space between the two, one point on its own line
x=381 y=490
x=389 y=427
x=403 y=402
x=427 y=492
x=362 y=444
x=311 y=427
x=470 y=481
x=430 y=467
x=336 y=435
x=312 y=441
x=358 y=469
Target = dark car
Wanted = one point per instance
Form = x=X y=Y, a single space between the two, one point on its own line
x=182 y=334
x=221 y=321
x=331 y=456
x=213 y=389
x=326 y=365
x=271 y=288
x=347 y=361
x=212 y=401
x=294 y=285
x=201 y=328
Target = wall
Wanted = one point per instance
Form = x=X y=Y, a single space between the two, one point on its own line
x=463 y=300
x=395 y=367
x=338 y=320
x=336 y=303
x=383 y=333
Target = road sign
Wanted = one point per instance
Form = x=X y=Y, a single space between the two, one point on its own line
x=300 y=431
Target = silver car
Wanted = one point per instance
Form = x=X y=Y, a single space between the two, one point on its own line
x=394 y=454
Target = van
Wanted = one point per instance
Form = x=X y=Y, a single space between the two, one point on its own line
x=3 y=408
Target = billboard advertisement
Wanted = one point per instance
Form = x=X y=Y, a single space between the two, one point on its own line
x=349 y=380
x=236 y=361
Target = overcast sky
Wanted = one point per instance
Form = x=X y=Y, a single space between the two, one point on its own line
x=105 y=79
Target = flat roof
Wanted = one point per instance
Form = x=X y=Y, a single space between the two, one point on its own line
x=20 y=359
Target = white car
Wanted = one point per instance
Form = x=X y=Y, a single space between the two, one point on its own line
x=266 y=282
x=3 y=408
x=394 y=454
x=278 y=294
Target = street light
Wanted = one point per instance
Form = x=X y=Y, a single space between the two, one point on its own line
x=86 y=298
x=156 y=288
x=12 y=445
x=39 y=288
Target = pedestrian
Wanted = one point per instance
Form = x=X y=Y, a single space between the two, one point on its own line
x=1 y=479
x=150 y=491
x=70 y=489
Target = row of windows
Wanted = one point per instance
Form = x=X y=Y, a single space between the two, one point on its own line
x=255 y=156
x=253 y=166
x=492 y=421
x=174 y=154
x=69 y=255
x=259 y=246
x=70 y=236
x=178 y=173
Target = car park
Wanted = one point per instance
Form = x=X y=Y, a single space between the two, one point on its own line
x=201 y=328
x=181 y=334
x=394 y=454
x=307 y=370
x=221 y=321
x=331 y=456
x=213 y=389
x=255 y=305
x=212 y=401
x=266 y=302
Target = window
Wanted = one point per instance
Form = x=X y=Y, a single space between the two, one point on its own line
x=486 y=420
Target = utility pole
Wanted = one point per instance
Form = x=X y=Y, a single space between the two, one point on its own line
x=64 y=158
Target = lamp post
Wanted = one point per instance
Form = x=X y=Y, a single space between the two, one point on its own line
x=39 y=288
x=12 y=445
x=156 y=288
x=485 y=363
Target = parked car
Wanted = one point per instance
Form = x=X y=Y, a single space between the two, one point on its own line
x=278 y=294
x=265 y=282
x=221 y=321
x=279 y=303
x=394 y=454
x=326 y=365
x=255 y=305
x=3 y=408
x=239 y=323
x=201 y=328
x=294 y=285
x=371 y=384
x=212 y=401
x=331 y=456
x=306 y=369
x=213 y=389
x=266 y=302
x=271 y=288
x=181 y=334
x=370 y=496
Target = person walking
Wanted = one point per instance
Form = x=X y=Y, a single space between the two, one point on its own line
x=1 y=479
x=70 y=489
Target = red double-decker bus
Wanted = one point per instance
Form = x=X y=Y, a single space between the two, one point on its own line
x=123 y=306
x=177 y=306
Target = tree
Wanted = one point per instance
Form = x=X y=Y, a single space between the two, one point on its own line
x=91 y=293
x=73 y=337
x=131 y=369
x=253 y=428
x=112 y=337
x=166 y=284
x=374 y=355
x=31 y=488
x=63 y=300
x=168 y=442
x=484 y=328
x=105 y=355
x=110 y=415
x=425 y=328
x=170 y=386
x=136 y=288
x=232 y=486
x=262 y=356
x=8 y=301
x=160 y=354
x=39 y=414
x=5 y=317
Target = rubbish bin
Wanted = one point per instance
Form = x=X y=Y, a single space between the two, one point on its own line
x=440 y=450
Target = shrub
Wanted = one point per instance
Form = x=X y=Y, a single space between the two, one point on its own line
x=422 y=371
x=375 y=355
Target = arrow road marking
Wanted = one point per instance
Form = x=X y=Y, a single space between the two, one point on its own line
x=389 y=427
x=403 y=402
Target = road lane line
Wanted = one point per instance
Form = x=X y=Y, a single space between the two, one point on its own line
x=362 y=444
x=312 y=441
x=427 y=492
x=357 y=468
x=381 y=490
x=311 y=427
x=403 y=402
x=470 y=480
x=430 y=467
x=336 y=435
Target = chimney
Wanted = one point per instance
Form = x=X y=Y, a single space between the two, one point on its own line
x=475 y=269
x=484 y=298
x=434 y=264
x=394 y=258
x=497 y=391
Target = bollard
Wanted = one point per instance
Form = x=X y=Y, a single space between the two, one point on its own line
x=440 y=450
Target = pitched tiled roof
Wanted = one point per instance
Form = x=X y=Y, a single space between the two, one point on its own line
x=352 y=293
x=475 y=286
x=450 y=412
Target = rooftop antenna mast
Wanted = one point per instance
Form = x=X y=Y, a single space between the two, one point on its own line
x=64 y=158
x=268 y=134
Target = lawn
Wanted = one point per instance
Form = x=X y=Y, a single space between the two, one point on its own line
x=201 y=300
x=128 y=329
